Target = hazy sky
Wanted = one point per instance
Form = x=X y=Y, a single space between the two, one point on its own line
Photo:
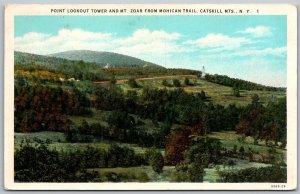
x=247 y=47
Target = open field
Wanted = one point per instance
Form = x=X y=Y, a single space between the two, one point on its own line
x=229 y=139
x=218 y=94
x=57 y=141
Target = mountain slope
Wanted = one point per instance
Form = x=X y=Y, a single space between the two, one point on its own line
x=75 y=69
x=103 y=58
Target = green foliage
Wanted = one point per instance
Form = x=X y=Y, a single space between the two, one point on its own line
x=39 y=164
x=124 y=177
x=70 y=69
x=165 y=83
x=204 y=150
x=200 y=153
x=149 y=71
x=181 y=175
x=120 y=119
x=262 y=122
x=132 y=83
x=271 y=174
x=187 y=81
x=113 y=79
x=193 y=172
x=241 y=84
x=123 y=157
x=176 y=83
x=236 y=92
x=155 y=159
x=202 y=95
x=255 y=99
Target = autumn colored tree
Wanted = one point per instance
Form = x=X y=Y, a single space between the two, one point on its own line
x=176 y=143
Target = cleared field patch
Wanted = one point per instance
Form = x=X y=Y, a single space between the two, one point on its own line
x=100 y=144
x=43 y=135
x=216 y=93
x=223 y=94
x=57 y=141
x=229 y=139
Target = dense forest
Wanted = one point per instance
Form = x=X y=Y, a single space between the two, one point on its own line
x=37 y=106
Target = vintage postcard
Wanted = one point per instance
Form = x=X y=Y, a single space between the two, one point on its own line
x=151 y=97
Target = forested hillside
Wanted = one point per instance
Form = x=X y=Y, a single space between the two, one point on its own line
x=143 y=124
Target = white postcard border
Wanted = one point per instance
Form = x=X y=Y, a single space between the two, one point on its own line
x=265 y=9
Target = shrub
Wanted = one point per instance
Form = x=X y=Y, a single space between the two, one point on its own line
x=132 y=83
x=186 y=81
x=165 y=83
x=157 y=162
x=176 y=83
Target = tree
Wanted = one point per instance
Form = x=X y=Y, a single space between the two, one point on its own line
x=132 y=83
x=165 y=83
x=236 y=92
x=242 y=151
x=157 y=162
x=255 y=99
x=176 y=144
x=202 y=95
x=234 y=150
x=250 y=155
x=186 y=81
x=176 y=83
x=113 y=79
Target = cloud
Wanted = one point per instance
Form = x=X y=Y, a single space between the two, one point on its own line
x=65 y=39
x=30 y=37
x=252 y=52
x=279 y=51
x=219 y=42
x=145 y=42
x=258 y=31
x=142 y=42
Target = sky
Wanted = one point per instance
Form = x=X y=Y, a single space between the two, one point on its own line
x=246 y=47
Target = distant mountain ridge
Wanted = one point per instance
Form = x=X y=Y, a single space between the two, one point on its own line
x=103 y=59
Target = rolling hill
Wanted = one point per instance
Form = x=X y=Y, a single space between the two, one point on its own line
x=104 y=58
x=85 y=64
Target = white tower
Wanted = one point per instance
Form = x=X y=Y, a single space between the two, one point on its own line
x=203 y=72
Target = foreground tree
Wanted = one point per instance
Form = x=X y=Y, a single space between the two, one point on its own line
x=176 y=143
x=156 y=161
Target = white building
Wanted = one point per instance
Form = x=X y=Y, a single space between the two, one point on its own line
x=203 y=72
